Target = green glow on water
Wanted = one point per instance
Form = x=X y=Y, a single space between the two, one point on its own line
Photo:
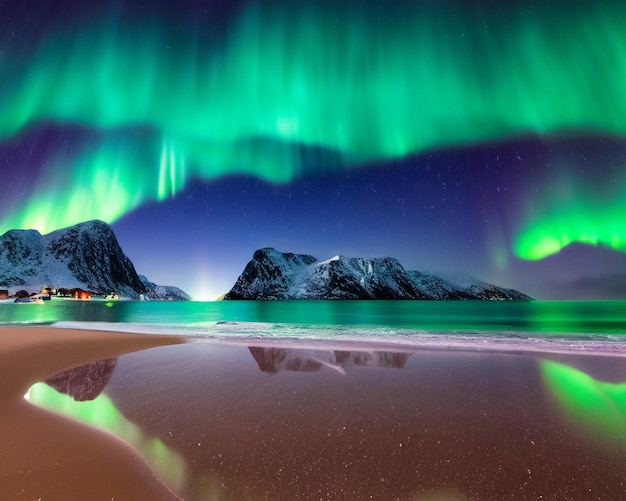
x=362 y=82
x=545 y=318
x=596 y=408
x=101 y=412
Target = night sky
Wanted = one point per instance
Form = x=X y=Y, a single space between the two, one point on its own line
x=477 y=136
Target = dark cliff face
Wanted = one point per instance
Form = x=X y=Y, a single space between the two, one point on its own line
x=358 y=278
x=86 y=255
x=275 y=275
x=93 y=254
x=20 y=256
x=269 y=275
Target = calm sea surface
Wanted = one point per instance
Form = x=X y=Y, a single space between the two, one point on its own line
x=392 y=321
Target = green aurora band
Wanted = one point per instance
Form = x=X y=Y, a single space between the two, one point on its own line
x=598 y=409
x=574 y=210
x=294 y=89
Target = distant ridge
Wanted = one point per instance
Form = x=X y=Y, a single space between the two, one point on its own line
x=274 y=275
x=86 y=256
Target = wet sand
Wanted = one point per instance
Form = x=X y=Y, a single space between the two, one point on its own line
x=271 y=422
x=49 y=457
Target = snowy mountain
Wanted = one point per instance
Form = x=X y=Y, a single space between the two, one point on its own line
x=271 y=275
x=163 y=292
x=275 y=275
x=461 y=286
x=86 y=256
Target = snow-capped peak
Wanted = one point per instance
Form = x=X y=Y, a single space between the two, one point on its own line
x=272 y=274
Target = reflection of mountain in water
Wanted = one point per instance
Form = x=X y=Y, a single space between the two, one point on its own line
x=85 y=382
x=273 y=360
x=387 y=359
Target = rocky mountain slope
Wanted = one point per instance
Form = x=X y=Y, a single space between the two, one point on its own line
x=86 y=255
x=275 y=275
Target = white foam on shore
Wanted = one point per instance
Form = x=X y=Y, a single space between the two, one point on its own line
x=317 y=336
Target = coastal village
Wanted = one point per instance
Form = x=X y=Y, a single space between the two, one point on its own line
x=48 y=293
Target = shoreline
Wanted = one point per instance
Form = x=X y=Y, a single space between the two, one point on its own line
x=406 y=340
x=47 y=456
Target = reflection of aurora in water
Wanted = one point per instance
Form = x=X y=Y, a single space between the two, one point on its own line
x=299 y=87
x=102 y=413
x=597 y=408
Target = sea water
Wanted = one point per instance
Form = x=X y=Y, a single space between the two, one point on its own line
x=552 y=325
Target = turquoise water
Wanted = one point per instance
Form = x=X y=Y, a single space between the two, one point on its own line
x=599 y=320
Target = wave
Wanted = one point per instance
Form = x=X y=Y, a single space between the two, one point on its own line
x=304 y=335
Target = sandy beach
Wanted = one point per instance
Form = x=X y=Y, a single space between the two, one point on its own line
x=285 y=423
x=49 y=457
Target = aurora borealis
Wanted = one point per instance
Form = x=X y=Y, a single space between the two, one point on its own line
x=477 y=136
